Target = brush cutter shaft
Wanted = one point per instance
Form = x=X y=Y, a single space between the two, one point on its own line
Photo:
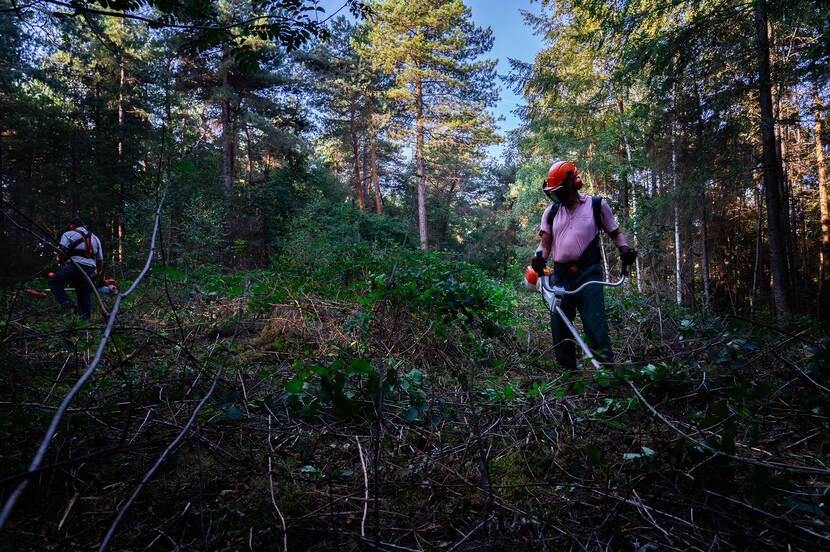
x=585 y=350
x=553 y=295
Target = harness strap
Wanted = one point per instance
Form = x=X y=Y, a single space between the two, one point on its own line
x=87 y=252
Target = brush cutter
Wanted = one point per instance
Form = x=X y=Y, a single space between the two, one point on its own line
x=106 y=286
x=553 y=294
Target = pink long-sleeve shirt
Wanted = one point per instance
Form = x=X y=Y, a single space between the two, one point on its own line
x=574 y=230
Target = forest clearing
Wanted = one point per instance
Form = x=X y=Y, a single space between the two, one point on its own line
x=287 y=309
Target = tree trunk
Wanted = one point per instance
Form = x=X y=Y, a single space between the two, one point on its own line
x=227 y=138
x=824 y=210
x=704 y=223
x=358 y=184
x=378 y=204
x=266 y=167
x=120 y=192
x=373 y=137
x=604 y=255
x=628 y=171
x=756 y=272
x=366 y=178
x=677 y=274
x=419 y=165
x=633 y=189
x=784 y=188
x=250 y=157
x=704 y=228
x=776 y=228
x=636 y=244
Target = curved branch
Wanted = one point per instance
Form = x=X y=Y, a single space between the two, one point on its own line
x=709 y=448
x=50 y=432
x=164 y=454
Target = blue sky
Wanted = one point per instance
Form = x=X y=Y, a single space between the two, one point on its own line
x=512 y=39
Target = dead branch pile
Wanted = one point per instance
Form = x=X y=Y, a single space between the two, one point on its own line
x=462 y=453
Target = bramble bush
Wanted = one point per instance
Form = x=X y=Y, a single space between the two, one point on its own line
x=337 y=250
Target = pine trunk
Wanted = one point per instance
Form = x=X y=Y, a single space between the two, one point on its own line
x=250 y=157
x=227 y=141
x=378 y=204
x=358 y=184
x=633 y=190
x=824 y=210
x=677 y=274
x=365 y=177
x=705 y=252
x=419 y=164
x=120 y=193
x=777 y=239
x=756 y=272
x=627 y=173
x=636 y=241
x=373 y=138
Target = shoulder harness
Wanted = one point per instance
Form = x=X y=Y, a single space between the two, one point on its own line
x=72 y=250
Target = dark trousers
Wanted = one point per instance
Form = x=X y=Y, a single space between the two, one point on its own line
x=590 y=303
x=69 y=274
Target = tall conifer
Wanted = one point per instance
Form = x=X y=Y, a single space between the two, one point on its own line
x=432 y=46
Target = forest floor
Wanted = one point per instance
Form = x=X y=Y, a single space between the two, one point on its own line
x=713 y=437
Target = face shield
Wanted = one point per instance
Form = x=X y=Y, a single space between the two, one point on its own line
x=563 y=192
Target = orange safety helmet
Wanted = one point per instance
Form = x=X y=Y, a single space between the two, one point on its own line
x=559 y=173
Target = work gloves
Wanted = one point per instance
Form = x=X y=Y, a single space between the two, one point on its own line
x=628 y=255
x=538 y=263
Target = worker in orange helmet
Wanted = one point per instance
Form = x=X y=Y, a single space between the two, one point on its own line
x=570 y=235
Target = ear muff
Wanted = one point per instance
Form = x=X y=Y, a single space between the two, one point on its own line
x=577 y=183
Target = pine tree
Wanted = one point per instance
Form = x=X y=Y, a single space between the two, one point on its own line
x=432 y=47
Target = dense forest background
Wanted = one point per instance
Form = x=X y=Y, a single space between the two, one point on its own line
x=669 y=115
x=327 y=229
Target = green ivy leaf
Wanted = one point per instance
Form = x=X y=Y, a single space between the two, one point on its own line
x=411 y=414
x=294 y=385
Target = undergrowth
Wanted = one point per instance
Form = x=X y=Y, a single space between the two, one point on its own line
x=373 y=397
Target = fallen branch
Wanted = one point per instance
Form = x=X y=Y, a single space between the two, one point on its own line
x=271 y=484
x=709 y=448
x=50 y=432
x=795 y=367
x=163 y=455
x=365 y=487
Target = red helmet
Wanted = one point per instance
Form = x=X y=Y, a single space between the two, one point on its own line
x=559 y=173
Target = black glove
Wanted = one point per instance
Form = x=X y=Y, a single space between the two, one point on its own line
x=628 y=255
x=538 y=263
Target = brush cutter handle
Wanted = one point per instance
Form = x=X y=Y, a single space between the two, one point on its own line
x=545 y=283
